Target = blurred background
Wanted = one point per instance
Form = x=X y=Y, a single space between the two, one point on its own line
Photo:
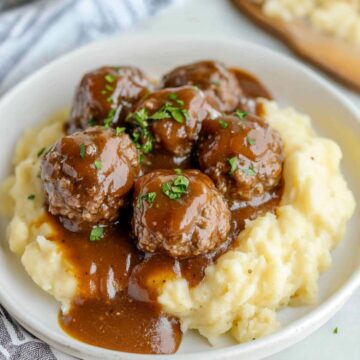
x=34 y=32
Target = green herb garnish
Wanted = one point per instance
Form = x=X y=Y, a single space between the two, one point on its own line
x=109 y=87
x=31 y=197
x=250 y=171
x=98 y=164
x=233 y=164
x=110 y=118
x=178 y=171
x=110 y=78
x=335 y=331
x=216 y=82
x=97 y=232
x=119 y=130
x=172 y=96
x=241 y=114
x=41 y=151
x=92 y=122
x=174 y=190
x=223 y=124
x=82 y=150
x=149 y=197
x=250 y=140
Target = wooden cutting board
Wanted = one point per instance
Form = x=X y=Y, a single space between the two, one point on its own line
x=334 y=56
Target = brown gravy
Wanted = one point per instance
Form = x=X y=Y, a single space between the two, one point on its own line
x=116 y=306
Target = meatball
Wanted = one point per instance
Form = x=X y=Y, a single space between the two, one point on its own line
x=213 y=78
x=87 y=175
x=242 y=154
x=106 y=96
x=170 y=119
x=180 y=214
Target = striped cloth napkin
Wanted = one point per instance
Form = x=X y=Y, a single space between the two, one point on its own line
x=31 y=35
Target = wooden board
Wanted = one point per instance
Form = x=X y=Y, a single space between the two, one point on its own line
x=334 y=56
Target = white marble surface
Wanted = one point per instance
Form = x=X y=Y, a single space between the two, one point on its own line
x=218 y=18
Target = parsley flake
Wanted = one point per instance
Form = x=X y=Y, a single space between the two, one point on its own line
x=174 y=190
x=172 y=96
x=96 y=234
x=250 y=171
x=335 y=331
x=233 y=164
x=41 y=151
x=92 y=122
x=31 y=197
x=223 y=124
x=241 y=114
x=82 y=150
x=149 y=197
x=98 y=164
x=119 y=130
x=110 y=118
x=109 y=87
x=250 y=140
x=110 y=78
x=178 y=171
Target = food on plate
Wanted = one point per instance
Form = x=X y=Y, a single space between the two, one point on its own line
x=242 y=154
x=87 y=176
x=170 y=119
x=197 y=222
x=196 y=208
x=106 y=96
x=213 y=78
x=337 y=18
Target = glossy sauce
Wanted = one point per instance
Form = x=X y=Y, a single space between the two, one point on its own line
x=116 y=306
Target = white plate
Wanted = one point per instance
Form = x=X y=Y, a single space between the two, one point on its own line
x=291 y=83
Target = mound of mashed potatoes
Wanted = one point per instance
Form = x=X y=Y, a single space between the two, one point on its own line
x=337 y=18
x=275 y=262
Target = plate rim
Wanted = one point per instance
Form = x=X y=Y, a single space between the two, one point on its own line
x=289 y=334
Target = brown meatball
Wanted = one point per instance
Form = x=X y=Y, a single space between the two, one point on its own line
x=106 y=96
x=213 y=78
x=171 y=119
x=242 y=154
x=86 y=176
x=182 y=215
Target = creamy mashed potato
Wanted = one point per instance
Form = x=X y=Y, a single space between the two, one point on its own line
x=337 y=18
x=277 y=258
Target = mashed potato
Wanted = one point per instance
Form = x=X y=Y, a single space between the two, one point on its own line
x=337 y=18
x=277 y=258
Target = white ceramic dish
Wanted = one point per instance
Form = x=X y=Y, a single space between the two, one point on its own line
x=291 y=84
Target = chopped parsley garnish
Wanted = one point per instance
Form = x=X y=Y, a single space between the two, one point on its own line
x=141 y=116
x=335 y=331
x=103 y=92
x=250 y=140
x=241 y=114
x=172 y=96
x=178 y=171
x=250 y=171
x=141 y=158
x=92 y=121
x=110 y=118
x=109 y=87
x=41 y=151
x=174 y=190
x=31 y=197
x=216 y=82
x=98 y=164
x=223 y=124
x=110 y=78
x=119 y=130
x=168 y=111
x=97 y=232
x=149 y=197
x=82 y=150
x=233 y=164
x=180 y=102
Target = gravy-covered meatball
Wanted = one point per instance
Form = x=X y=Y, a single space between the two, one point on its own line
x=210 y=76
x=242 y=154
x=106 y=95
x=179 y=213
x=170 y=119
x=86 y=176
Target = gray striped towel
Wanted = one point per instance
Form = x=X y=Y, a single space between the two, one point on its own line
x=31 y=35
